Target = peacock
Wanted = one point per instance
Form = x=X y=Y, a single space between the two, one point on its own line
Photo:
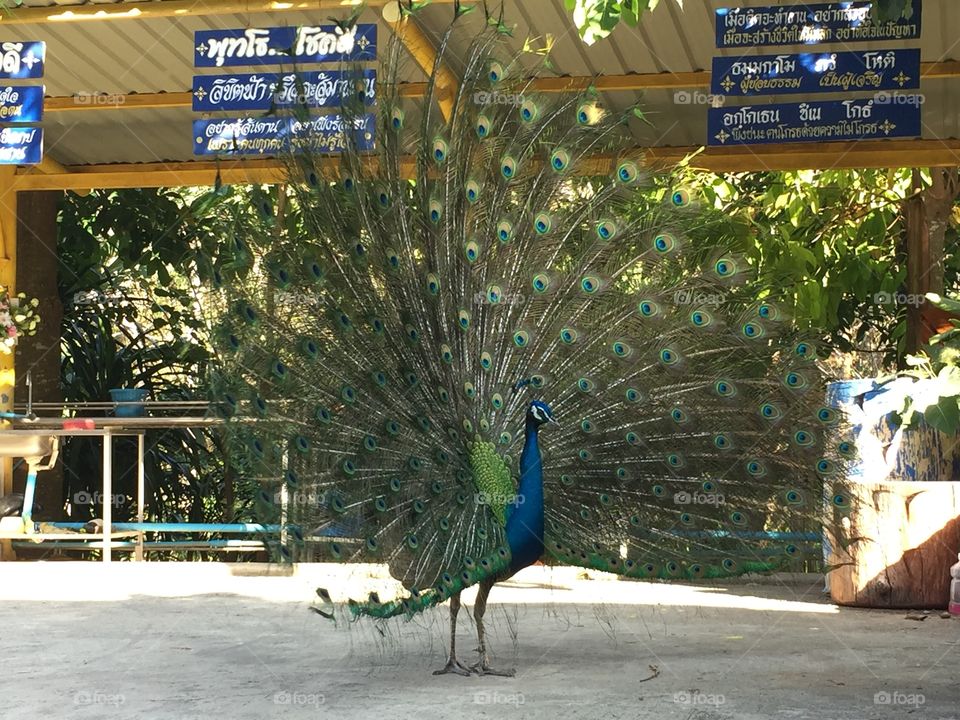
x=498 y=338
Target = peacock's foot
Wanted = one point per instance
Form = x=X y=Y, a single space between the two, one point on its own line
x=483 y=668
x=454 y=666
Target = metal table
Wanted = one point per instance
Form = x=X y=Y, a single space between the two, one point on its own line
x=108 y=428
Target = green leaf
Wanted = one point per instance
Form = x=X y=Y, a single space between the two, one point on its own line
x=950 y=306
x=944 y=415
x=631 y=10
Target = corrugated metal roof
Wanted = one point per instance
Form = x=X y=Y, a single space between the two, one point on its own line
x=156 y=55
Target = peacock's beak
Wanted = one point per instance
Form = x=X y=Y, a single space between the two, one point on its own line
x=553 y=421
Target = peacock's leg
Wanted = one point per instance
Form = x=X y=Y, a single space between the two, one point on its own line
x=479 y=607
x=453 y=665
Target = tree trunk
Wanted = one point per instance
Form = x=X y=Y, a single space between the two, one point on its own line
x=927 y=218
x=37 y=270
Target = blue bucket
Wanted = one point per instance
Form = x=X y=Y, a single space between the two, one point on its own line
x=128 y=395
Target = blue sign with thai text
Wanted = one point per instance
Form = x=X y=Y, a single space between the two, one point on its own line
x=886 y=116
x=261 y=91
x=22 y=60
x=276 y=135
x=273 y=46
x=811 y=24
x=21 y=145
x=21 y=103
x=816 y=73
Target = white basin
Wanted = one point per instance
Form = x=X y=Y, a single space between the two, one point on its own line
x=25 y=444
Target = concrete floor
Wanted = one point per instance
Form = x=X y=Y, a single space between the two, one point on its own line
x=190 y=641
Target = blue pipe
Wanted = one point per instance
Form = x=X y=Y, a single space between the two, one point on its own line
x=28 y=492
x=96 y=544
x=258 y=528
x=180 y=527
x=751 y=535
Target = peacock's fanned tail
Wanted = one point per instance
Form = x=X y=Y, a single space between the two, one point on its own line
x=381 y=338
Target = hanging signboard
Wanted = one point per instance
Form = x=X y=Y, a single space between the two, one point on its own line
x=22 y=60
x=261 y=91
x=21 y=145
x=815 y=121
x=810 y=24
x=21 y=103
x=816 y=73
x=275 y=135
x=276 y=45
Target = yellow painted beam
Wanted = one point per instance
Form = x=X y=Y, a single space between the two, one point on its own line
x=49 y=166
x=128 y=101
x=821 y=156
x=172 y=8
x=864 y=154
x=423 y=51
x=176 y=174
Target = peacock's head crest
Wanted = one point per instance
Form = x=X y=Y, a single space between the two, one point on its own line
x=540 y=413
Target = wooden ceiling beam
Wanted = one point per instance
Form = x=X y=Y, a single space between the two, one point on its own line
x=816 y=156
x=424 y=52
x=88 y=12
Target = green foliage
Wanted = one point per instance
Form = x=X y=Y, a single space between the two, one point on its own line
x=829 y=242
x=130 y=321
x=935 y=394
x=596 y=19
x=887 y=10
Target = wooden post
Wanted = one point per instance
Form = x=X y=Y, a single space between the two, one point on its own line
x=38 y=266
x=926 y=219
x=918 y=258
x=8 y=278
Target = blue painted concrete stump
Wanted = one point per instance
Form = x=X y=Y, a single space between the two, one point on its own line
x=906 y=522
x=921 y=454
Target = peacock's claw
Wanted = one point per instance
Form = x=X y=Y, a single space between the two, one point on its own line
x=482 y=668
x=454 y=666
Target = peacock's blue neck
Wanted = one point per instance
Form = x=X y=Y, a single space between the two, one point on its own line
x=525 y=514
